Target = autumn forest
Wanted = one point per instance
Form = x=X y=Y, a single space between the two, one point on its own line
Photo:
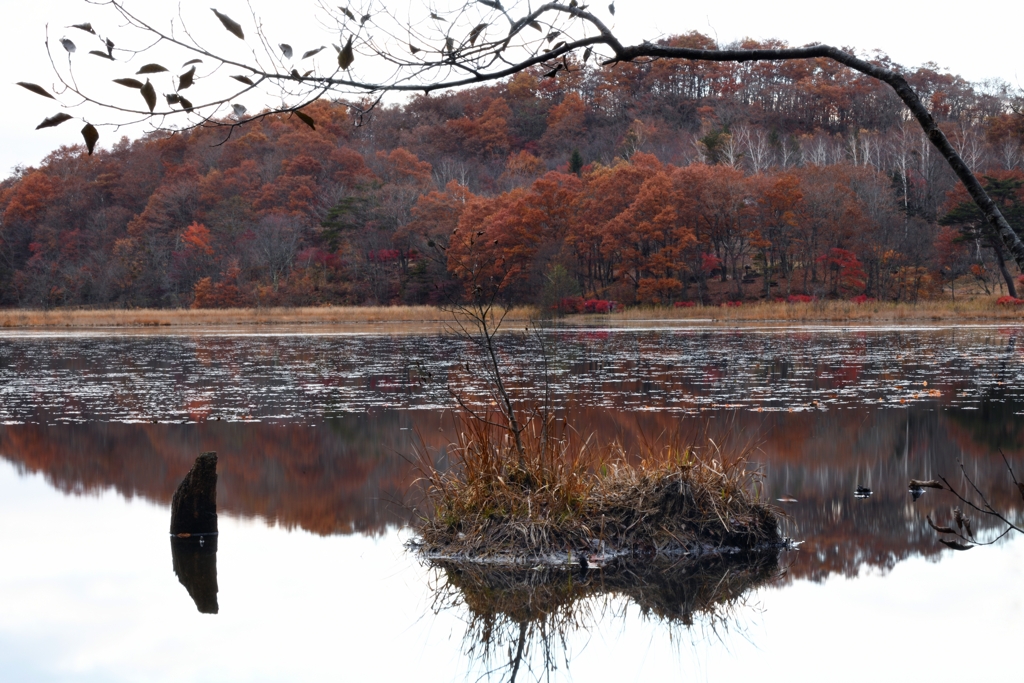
x=662 y=183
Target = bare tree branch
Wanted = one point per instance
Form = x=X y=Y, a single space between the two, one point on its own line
x=963 y=530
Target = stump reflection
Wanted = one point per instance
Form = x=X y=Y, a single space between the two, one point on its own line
x=195 y=565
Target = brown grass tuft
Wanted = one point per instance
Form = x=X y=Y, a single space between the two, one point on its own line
x=568 y=498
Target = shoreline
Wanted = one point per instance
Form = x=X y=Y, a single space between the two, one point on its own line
x=363 y=318
x=412 y=319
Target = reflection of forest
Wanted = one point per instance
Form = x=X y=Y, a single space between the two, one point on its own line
x=356 y=474
x=345 y=476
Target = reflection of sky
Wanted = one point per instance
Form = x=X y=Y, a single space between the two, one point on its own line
x=87 y=593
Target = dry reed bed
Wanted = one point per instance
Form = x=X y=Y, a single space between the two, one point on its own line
x=326 y=315
x=979 y=309
x=567 y=501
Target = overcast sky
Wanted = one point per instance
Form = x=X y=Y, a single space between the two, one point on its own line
x=955 y=35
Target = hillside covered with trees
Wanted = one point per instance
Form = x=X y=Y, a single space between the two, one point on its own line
x=666 y=182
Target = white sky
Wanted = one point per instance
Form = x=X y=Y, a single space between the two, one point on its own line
x=975 y=44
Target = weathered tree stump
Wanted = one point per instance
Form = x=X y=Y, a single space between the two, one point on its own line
x=194 y=505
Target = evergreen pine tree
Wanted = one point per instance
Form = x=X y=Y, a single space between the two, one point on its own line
x=576 y=162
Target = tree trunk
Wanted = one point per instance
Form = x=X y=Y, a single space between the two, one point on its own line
x=1011 y=288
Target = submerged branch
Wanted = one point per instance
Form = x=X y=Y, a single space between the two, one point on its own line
x=963 y=530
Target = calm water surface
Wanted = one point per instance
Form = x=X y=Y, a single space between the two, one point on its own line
x=316 y=493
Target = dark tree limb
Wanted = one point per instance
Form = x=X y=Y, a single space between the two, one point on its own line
x=963 y=530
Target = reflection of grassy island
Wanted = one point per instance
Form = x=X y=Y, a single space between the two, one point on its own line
x=678 y=592
x=520 y=619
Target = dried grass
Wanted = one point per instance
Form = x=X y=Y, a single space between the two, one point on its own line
x=978 y=309
x=430 y=316
x=419 y=318
x=569 y=498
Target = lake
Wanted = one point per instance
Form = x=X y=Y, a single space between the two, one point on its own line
x=316 y=431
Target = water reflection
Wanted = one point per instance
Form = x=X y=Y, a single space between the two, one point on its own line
x=520 y=619
x=195 y=565
x=312 y=377
x=353 y=475
x=83 y=410
x=314 y=432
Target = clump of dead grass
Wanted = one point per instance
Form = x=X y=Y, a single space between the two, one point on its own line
x=568 y=499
